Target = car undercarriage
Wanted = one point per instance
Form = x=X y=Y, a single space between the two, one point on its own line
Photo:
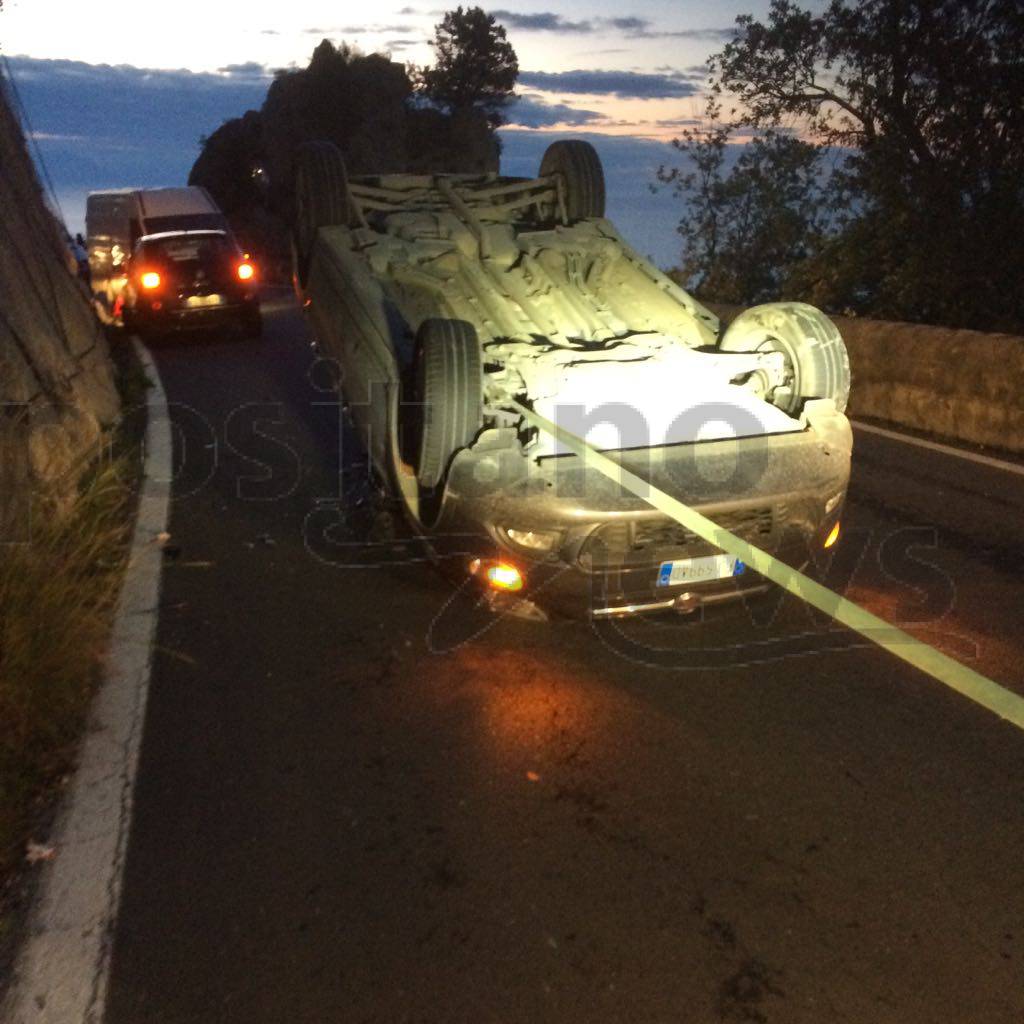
x=451 y=301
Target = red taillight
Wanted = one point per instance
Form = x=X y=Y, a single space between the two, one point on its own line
x=246 y=271
x=150 y=279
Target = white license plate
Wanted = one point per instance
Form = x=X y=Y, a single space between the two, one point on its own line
x=699 y=570
x=204 y=300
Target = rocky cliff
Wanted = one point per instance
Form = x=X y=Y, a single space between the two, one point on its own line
x=57 y=391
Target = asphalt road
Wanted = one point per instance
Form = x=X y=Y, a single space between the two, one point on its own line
x=361 y=801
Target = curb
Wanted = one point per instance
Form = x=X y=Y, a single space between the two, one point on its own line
x=62 y=969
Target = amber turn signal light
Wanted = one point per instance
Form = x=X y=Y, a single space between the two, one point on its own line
x=833 y=536
x=503 y=576
x=497 y=575
x=150 y=279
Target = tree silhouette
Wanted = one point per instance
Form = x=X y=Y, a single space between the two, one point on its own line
x=476 y=68
x=358 y=101
x=918 y=106
x=748 y=225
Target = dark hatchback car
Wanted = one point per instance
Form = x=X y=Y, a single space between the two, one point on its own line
x=180 y=280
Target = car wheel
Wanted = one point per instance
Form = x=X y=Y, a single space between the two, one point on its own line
x=449 y=388
x=579 y=167
x=321 y=199
x=817 y=363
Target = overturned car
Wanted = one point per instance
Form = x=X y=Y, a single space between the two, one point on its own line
x=447 y=300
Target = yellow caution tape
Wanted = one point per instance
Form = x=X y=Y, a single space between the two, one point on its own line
x=971 y=684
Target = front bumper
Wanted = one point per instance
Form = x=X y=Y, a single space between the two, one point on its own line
x=782 y=493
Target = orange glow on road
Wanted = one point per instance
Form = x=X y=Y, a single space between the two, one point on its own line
x=534 y=710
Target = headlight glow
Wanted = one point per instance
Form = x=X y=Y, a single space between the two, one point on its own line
x=535 y=540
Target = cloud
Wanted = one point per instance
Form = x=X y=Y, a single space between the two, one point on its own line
x=531 y=111
x=545 y=21
x=250 y=69
x=55 y=137
x=628 y=24
x=678 y=122
x=364 y=30
x=713 y=35
x=623 y=84
x=694 y=71
x=633 y=27
x=100 y=126
x=361 y=30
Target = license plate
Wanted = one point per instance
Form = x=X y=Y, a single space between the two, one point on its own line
x=204 y=300
x=699 y=570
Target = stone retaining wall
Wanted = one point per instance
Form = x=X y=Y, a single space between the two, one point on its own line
x=57 y=391
x=962 y=385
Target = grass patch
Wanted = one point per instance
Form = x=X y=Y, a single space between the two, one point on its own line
x=57 y=597
x=57 y=593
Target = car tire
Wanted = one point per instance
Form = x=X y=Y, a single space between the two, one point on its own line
x=321 y=198
x=816 y=355
x=579 y=167
x=449 y=388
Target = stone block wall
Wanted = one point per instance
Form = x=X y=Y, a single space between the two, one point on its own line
x=57 y=390
x=962 y=385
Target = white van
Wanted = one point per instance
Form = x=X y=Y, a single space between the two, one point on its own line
x=117 y=219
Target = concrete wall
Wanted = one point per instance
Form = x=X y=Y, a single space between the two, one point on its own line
x=57 y=388
x=963 y=385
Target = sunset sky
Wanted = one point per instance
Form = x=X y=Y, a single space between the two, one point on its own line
x=126 y=94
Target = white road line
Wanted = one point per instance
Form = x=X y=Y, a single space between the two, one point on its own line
x=62 y=970
x=945 y=449
x=982 y=690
